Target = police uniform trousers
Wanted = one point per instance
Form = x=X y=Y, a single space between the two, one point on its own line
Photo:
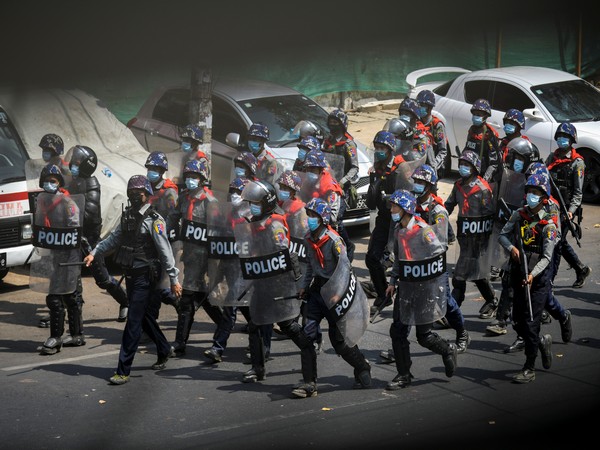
x=377 y=245
x=105 y=280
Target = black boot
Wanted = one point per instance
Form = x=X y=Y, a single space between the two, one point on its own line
x=449 y=352
x=516 y=346
x=462 y=340
x=362 y=369
x=75 y=338
x=582 y=273
x=545 y=347
x=403 y=364
x=184 y=324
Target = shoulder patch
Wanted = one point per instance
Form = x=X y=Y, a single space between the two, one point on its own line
x=159 y=226
x=338 y=246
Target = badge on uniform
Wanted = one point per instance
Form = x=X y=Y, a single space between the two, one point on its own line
x=331 y=198
x=429 y=235
x=159 y=227
x=279 y=234
x=552 y=233
x=338 y=246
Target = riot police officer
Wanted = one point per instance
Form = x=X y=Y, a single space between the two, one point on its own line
x=143 y=250
x=432 y=125
x=482 y=138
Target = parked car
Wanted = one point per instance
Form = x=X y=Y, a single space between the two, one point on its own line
x=546 y=97
x=78 y=118
x=236 y=104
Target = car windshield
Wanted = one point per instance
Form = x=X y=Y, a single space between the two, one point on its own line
x=12 y=152
x=281 y=114
x=570 y=101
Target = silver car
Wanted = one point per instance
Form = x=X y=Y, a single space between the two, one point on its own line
x=236 y=104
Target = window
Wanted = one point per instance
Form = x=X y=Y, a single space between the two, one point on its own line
x=173 y=107
x=226 y=120
x=12 y=152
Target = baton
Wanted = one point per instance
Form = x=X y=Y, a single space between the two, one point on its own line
x=79 y=263
x=383 y=305
x=289 y=297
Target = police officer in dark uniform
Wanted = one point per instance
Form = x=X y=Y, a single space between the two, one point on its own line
x=142 y=249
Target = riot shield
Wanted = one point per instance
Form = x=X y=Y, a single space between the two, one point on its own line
x=474 y=258
x=404 y=173
x=57 y=233
x=347 y=302
x=269 y=170
x=297 y=221
x=423 y=276
x=224 y=272
x=265 y=262
x=310 y=188
x=336 y=164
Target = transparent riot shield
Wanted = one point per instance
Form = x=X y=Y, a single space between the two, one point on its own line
x=347 y=302
x=224 y=272
x=336 y=164
x=296 y=218
x=265 y=262
x=57 y=233
x=475 y=255
x=269 y=170
x=310 y=187
x=404 y=173
x=422 y=289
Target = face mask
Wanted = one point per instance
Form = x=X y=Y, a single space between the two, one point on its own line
x=312 y=177
x=301 y=154
x=153 y=176
x=518 y=165
x=477 y=120
x=192 y=183
x=405 y=118
x=135 y=200
x=422 y=112
x=240 y=172
x=186 y=147
x=396 y=217
x=255 y=210
x=509 y=128
x=533 y=200
x=50 y=188
x=419 y=188
x=284 y=195
x=236 y=199
x=563 y=142
x=75 y=170
x=254 y=146
x=464 y=171
x=380 y=155
x=313 y=223
x=46 y=155
x=336 y=130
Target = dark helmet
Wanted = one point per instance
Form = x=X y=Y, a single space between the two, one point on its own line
x=199 y=166
x=248 y=160
x=516 y=116
x=405 y=200
x=291 y=179
x=315 y=158
x=85 y=158
x=157 y=159
x=568 y=129
x=399 y=128
x=340 y=116
x=472 y=158
x=262 y=192
x=238 y=184
x=306 y=128
x=409 y=105
x=54 y=170
x=321 y=207
x=482 y=105
x=193 y=132
x=258 y=130
x=385 y=138
x=140 y=182
x=540 y=181
x=426 y=97
x=53 y=142
x=523 y=147
x=310 y=143
x=426 y=173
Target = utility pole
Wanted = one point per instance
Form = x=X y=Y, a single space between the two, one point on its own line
x=201 y=103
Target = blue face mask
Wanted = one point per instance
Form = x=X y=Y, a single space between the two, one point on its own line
x=301 y=154
x=74 y=170
x=419 y=188
x=518 y=165
x=186 y=147
x=313 y=223
x=380 y=155
x=255 y=210
x=563 y=142
x=47 y=155
x=153 y=176
x=396 y=217
x=422 y=112
x=192 y=183
x=240 y=172
x=284 y=195
x=254 y=146
x=312 y=177
x=533 y=200
x=464 y=171
x=477 y=120
x=50 y=188
x=509 y=128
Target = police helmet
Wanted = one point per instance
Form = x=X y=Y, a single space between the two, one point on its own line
x=520 y=146
x=199 y=166
x=426 y=173
x=426 y=97
x=411 y=106
x=472 y=158
x=193 y=132
x=399 y=128
x=568 y=129
x=340 y=116
x=385 y=138
x=482 y=105
x=310 y=143
x=140 y=182
x=291 y=179
x=238 y=184
x=85 y=158
x=157 y=159
x=249 y=160
x=405 y=200
x=53 y=142
x=262 y=192
x=540 y=181
x=54 y=170
x=315 y=158
x=258 y=130
x=515 y=116
x=321 y=207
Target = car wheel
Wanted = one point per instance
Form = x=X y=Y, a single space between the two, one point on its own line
x=591 y=182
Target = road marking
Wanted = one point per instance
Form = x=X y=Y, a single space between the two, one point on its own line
x=59 y=361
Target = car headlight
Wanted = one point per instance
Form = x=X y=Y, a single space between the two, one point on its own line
x=26 y=232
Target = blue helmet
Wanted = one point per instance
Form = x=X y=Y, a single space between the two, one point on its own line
x=340 y=116
x=193 y=132
x=516 y=116
x=52 y=142
x=426 y=97
x=426 y=173
x=315 y=158
x=54 y=170
x=291 y=179
x=258 y=130
x=310 y=143
x=482 y=105
x=540 y=181
x=249 y=160
x=472 y=158
x=568 y=129
x=411 y=106
x=199 y=166
x=321 y=207
x=140 y=182
x=238 y=184
x=405 y=200
x=157 y=159
x=385 y=138
x=537 y=168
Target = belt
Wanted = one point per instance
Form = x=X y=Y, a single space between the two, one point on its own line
x=136 y=271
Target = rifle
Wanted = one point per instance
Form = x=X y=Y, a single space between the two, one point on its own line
x=573 y=227
x=386 y=302
x=522 y=258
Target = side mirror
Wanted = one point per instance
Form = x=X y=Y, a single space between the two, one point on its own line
x=233 y=140
x=533 y=114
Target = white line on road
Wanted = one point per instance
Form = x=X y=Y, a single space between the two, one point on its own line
x=59 y=361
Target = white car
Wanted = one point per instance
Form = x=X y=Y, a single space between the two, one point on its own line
x=546 y=97
x=237 y=104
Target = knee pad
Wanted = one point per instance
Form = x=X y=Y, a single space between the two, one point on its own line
x=54 y=302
